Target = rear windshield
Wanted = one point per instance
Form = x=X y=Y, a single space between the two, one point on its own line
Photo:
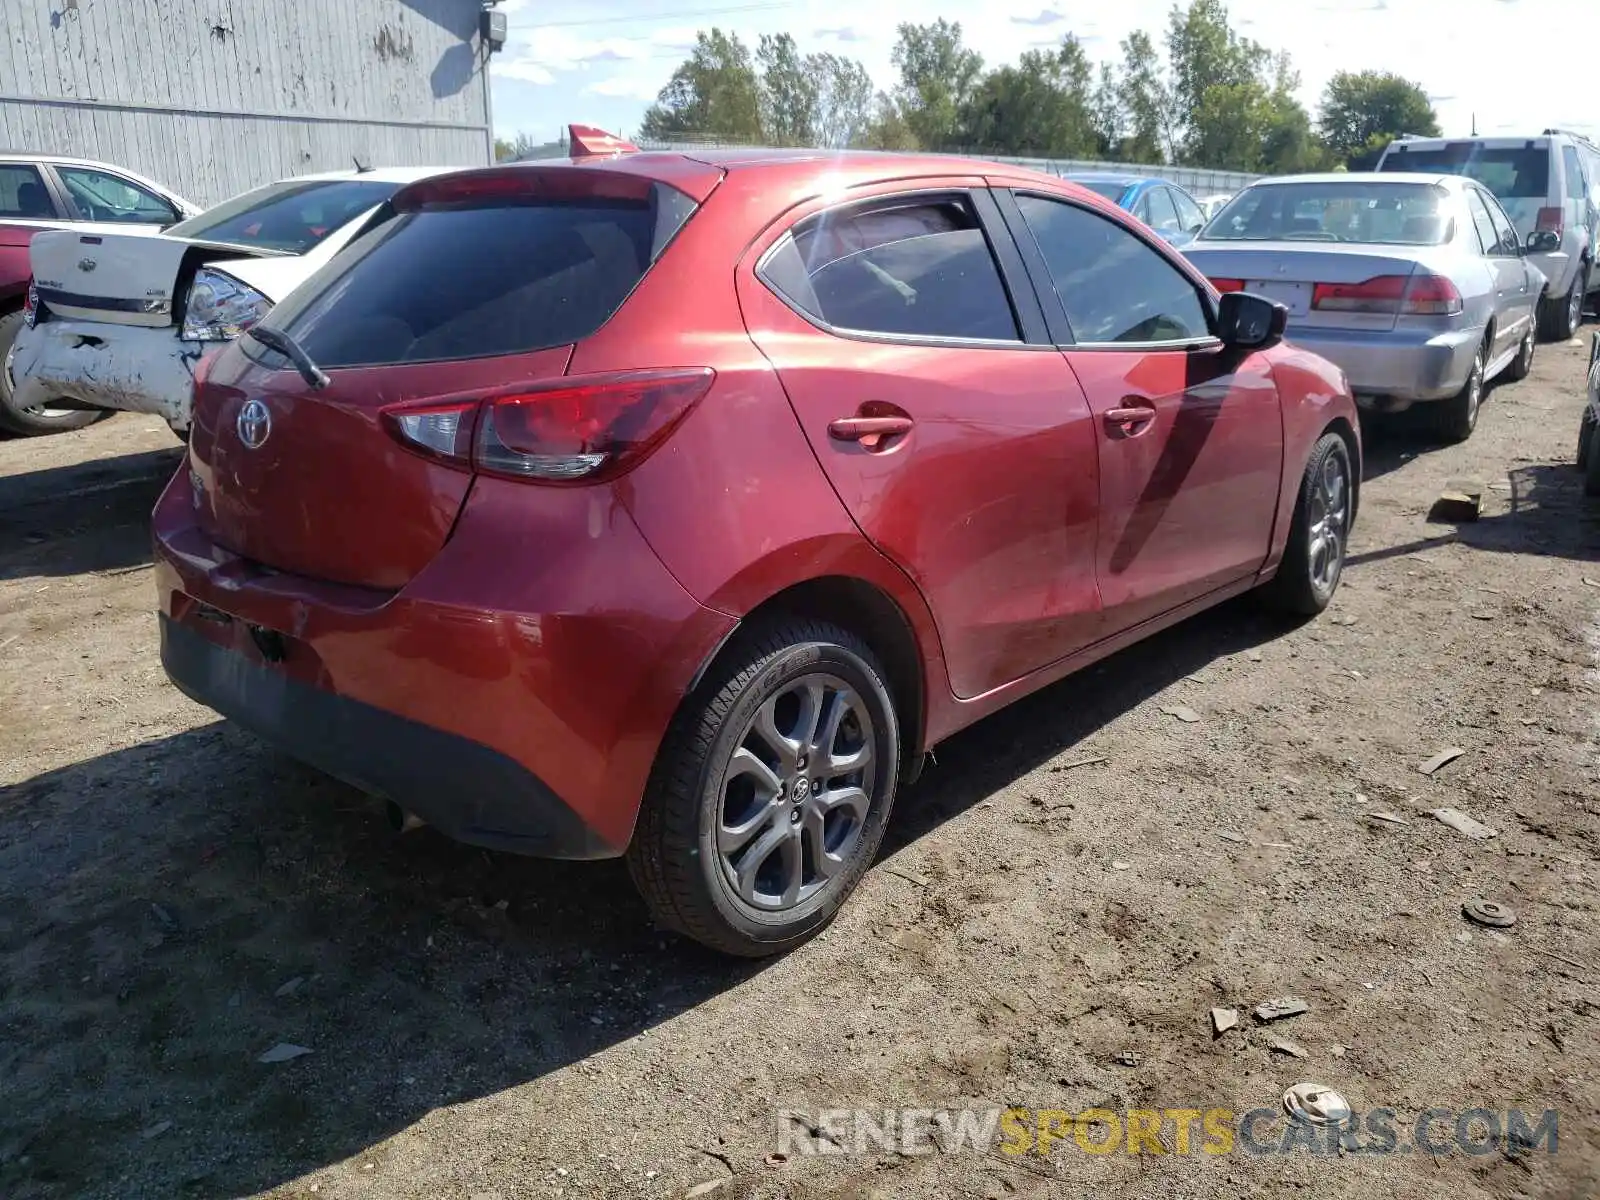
x=1365 y=212
x=478 y=280
x=292 y=216
x=1110 y=189
x=1514 y=173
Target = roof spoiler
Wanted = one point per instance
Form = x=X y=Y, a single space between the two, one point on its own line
x=585 y=141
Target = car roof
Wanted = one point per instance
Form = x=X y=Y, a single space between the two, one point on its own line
x=1437 y=178
x=1110 y=177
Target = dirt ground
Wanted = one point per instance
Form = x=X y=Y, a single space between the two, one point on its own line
x=1035 y=934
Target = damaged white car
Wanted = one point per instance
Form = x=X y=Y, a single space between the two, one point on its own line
x=118 y=321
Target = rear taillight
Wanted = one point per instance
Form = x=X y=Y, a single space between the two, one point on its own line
x=30 y=306
x=1420 y=295
x=1551 y=220
x=1228 y=285
x=575 y=429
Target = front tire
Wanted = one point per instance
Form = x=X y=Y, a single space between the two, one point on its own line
x=771 y=791
x=1589 y=456
x=1458 y=416
x=31 y=422
x=1313 y=561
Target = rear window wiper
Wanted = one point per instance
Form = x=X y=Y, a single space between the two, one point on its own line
x=292 y=350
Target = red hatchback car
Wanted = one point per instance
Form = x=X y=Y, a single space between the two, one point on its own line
x=675 y=505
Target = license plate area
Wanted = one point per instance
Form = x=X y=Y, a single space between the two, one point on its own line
x=1296 y=297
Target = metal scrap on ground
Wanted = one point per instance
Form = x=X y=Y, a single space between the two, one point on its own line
x=1461 y=823
x=1441 y=759
x=1280 y=1007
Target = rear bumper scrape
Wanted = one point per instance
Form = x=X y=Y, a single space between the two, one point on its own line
x=467 y=790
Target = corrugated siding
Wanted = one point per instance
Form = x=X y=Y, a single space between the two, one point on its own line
x=215 y=96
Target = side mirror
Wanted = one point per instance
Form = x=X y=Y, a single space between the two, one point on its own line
x=1250 y=322
x=1544 y=241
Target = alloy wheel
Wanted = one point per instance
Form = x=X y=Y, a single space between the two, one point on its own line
x=794 y=798
x=1329 y=515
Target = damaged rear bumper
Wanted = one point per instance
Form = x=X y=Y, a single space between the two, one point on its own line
x=125 y=367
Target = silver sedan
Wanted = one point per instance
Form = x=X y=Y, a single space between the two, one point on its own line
x=1417 y=286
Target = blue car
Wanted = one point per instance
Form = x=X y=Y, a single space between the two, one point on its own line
x=1163 y=206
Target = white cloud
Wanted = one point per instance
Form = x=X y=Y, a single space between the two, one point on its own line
x=623 y=87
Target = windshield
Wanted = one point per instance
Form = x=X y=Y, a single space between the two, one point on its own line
x=1513 y=173
x=1111 y=189
x=292 y=216
x=1365 y=212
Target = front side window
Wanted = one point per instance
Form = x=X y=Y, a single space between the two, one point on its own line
x=23 y=194
x=1163 y=216
x=914 y=268
x=1189 y=214
x=102 y=196
x=1482 y=222
x=1505 y=233
x=1113 y=286
x=291 y=217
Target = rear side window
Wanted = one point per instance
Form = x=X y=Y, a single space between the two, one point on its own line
x=22 y=192
x=1488 y=235
x=483 y=279
x=1574 y=170
x=921 y=269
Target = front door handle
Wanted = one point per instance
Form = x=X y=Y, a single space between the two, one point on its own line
x=1129 y=416
x=870 y=432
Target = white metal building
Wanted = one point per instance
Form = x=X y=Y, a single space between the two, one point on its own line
x=211 y=97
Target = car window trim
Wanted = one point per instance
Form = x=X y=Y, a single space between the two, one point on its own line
x=65 y=209
x=1017 y=296
x=1056 y=313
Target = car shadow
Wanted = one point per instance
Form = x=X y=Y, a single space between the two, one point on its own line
x=89 y=516
x=171 y=911
x=1546 y=514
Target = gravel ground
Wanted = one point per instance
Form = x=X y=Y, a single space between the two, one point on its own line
x=176 y=899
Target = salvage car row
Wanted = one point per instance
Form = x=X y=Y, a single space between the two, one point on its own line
x=686 y=531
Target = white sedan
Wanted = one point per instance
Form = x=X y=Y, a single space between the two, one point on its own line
x=118 y=321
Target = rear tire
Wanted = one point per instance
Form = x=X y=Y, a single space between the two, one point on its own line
x=756 y=826
x=26 y=422
x=1313 y=561
x=1458 y=416
x=1560 y=316
x=1522 y=365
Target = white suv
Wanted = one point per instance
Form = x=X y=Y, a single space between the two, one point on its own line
x=1549 y=185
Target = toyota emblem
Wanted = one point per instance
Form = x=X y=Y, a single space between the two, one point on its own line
x=254 y=425
x=86 y=264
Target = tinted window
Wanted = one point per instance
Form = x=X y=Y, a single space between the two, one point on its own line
x=102 y=196
x=1511 y=174
x=922 y=269
x=22 y=192
x=1163 y=216
x=1482 y=222
x=467 y=282
x=1367 y=212
x=1576 y=189
x=292 y=216
x=1111 y=189
x=1189 y=214
x=1114 y=287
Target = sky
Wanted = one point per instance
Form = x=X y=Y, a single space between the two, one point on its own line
x=601 y=62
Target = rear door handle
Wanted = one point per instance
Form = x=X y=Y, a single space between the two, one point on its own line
x=867 y=430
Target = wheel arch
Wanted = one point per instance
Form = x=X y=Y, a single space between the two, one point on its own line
x=867 y=610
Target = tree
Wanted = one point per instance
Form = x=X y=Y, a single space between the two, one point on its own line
x=938 y=75
x=1108 y=117
x=790 y=93
x=1151 y=136
x=510 y=150
x=714 y=93
x=1041 y=106
x=1216 y=76
x=1363 y=112
x=844 y=100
